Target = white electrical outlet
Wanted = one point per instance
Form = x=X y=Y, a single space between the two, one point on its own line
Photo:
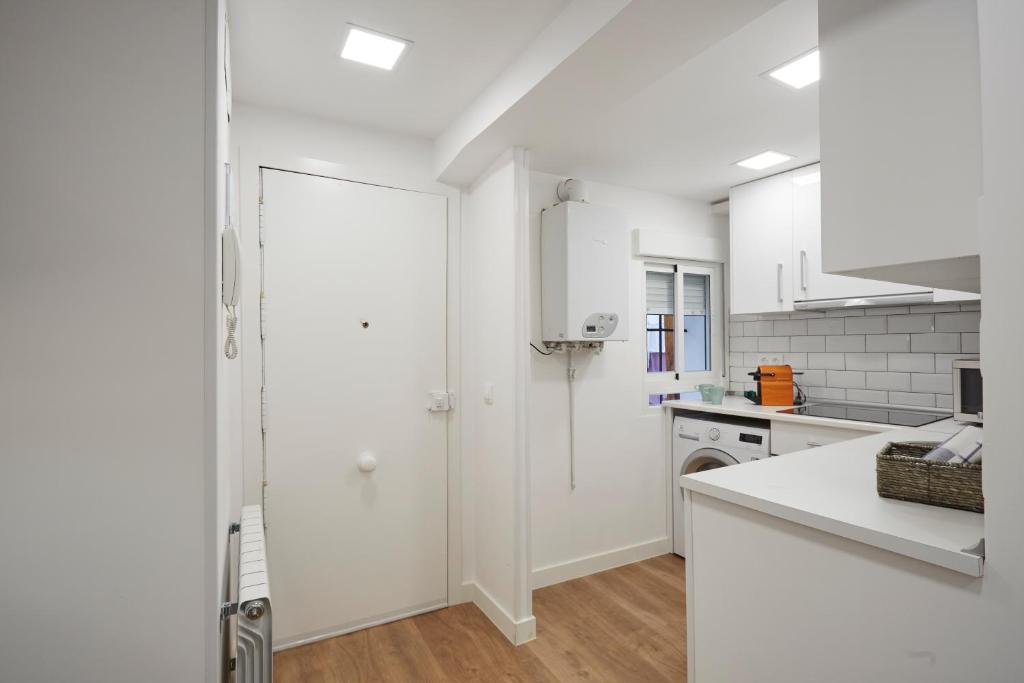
x=769 y=360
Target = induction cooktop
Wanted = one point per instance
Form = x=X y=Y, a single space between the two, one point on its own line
x=881 y=415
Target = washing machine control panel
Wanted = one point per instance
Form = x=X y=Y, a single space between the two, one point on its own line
x=752 y=442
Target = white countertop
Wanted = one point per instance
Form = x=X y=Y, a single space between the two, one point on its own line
x=832 y=488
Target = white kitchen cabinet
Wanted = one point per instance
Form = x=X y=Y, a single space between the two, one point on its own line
x=761 y=245
x=810 y=281
x=900 y=123
x=775 y=249
x=789 y=437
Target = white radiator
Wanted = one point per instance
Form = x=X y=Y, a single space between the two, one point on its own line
x=254 y=657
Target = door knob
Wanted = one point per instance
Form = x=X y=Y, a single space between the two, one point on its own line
x=367 y=462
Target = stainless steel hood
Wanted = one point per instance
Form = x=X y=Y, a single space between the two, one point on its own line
x=860 y=302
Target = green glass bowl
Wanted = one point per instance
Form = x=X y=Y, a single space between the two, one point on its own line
x=715 y=395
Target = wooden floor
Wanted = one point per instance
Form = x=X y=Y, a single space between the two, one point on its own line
x=625 y=624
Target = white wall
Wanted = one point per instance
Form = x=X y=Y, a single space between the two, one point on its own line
x=619 y=510
x=224 y=376
x=1002 y=326
x=108 y=280
x=494 y=362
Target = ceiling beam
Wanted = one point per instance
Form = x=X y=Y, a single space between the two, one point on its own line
x=570 y=30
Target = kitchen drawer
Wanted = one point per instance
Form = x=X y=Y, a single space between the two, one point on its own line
x=789 y=437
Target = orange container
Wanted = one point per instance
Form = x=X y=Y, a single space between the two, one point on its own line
x=775 y=385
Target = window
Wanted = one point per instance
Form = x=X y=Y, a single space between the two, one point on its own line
x=661 y=315
x=690 y=294
x=696 y=322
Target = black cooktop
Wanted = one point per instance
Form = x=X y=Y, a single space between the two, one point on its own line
x=890 y=416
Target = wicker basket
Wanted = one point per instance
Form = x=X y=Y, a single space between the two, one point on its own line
x=904 y=475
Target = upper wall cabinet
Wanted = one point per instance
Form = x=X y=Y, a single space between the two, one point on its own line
x=775 y=251
x=761 y=245
x=811 y=282
x=901 y=140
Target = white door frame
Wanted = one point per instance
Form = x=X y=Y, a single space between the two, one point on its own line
x=249 y=161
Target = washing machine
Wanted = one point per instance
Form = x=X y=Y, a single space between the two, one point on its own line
x=706 y=441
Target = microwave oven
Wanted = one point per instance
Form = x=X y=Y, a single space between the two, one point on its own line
x=967 y=394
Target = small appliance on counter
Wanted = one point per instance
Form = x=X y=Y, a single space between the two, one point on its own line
x=967 y=404
x=775 y=386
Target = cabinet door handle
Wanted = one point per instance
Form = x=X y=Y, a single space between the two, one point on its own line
x=778 y=278
x=814 y=444
x=803 y=269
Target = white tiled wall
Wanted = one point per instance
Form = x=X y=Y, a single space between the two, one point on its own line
x=898 y=355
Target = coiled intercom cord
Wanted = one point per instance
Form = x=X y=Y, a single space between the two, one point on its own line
x=230 y=343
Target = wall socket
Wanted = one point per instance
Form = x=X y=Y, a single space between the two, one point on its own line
x=770 y=360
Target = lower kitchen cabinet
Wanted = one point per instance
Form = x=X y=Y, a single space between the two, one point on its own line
x=788 y=437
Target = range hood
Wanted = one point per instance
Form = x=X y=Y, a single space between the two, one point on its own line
x=860 y=302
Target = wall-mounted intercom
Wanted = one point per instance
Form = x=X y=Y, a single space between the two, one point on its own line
x=230 y=267
x=230 y=287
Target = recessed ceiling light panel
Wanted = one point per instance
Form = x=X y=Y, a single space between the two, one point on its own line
x=373 y=48
x=764 y=160
x=799 y=72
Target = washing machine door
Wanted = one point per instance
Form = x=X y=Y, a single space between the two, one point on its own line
x=700 y=460
x=704 y=459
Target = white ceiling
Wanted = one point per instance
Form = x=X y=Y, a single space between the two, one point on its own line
x=640 y=44
x=285 y=54
x=681 y=134
x=666 y=97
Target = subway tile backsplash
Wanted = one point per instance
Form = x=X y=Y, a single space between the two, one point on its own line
x=900 y=355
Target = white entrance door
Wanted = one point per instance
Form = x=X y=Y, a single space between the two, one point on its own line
x=354 y=279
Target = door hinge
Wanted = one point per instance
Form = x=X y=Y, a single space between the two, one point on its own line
x=263 y=225
x=263 y=316
x=263 y=409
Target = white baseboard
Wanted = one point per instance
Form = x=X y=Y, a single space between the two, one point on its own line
x=358 y=625
x=584 y=566
x=464 y=592
x=518 y=632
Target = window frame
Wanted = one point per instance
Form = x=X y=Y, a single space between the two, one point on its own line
x=680 y=381
x=662 y=330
